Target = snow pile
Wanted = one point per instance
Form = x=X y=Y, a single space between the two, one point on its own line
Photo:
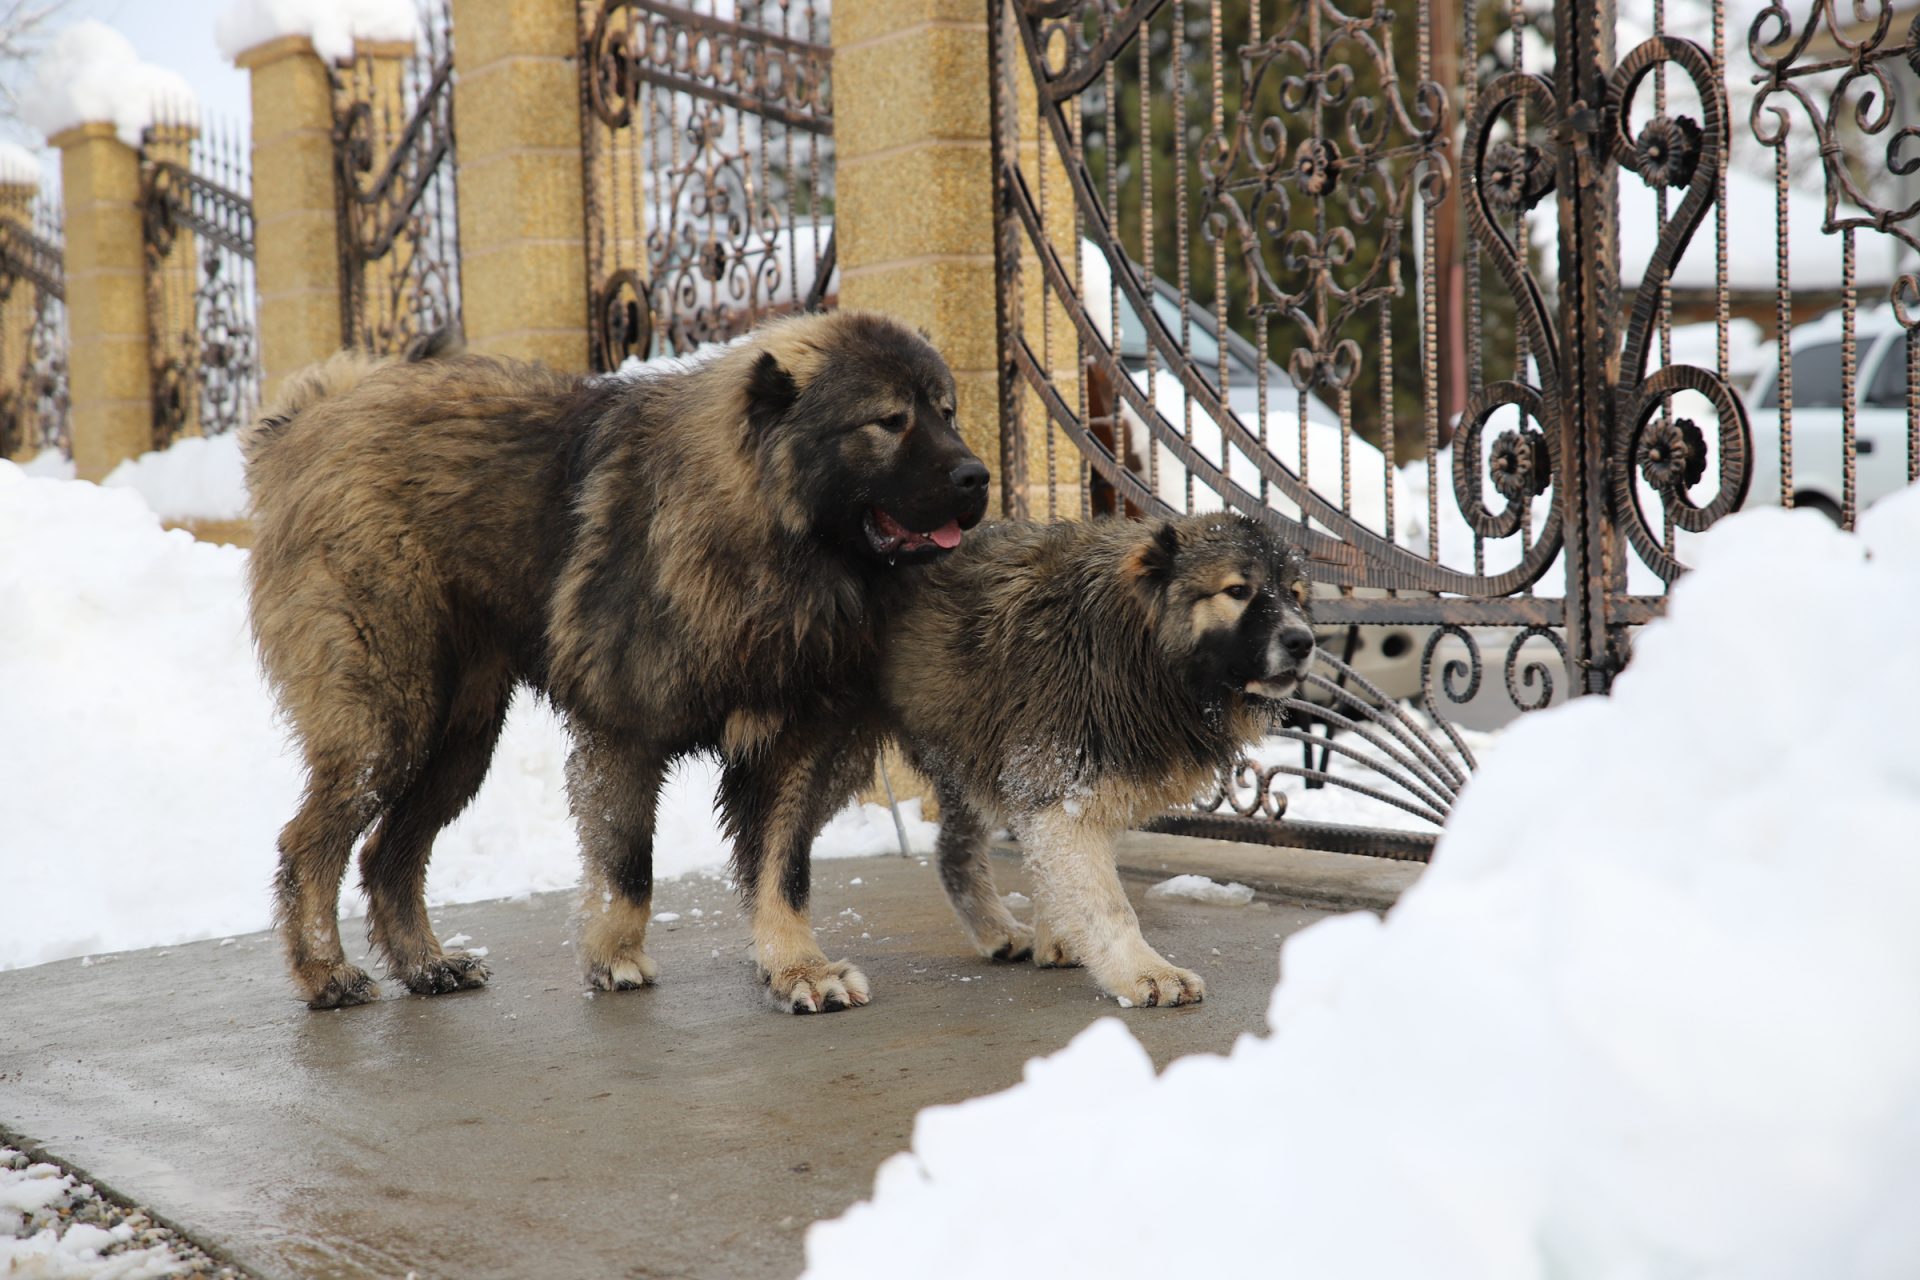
x=149 y=775
x=49 y=464
x=332 y=25
x=91 y=74
x=18 y=166
x=1192 y=888
x=1648 y=1014
x=38 y=1237
x=194 y=478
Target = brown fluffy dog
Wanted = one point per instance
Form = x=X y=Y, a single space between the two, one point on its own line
x=697 y=559
x=1071 y=680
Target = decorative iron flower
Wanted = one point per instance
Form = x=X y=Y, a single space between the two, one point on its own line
x=1313 y=164
x=1519 y=464
x=713 y=260
x=1515 y=176
x=1673 y=455
x=1668 y=151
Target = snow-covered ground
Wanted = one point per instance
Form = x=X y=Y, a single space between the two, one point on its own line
x=1650 y=1013
x=148 y=775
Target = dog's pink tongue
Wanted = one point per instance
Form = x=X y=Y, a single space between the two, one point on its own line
x=947 y=536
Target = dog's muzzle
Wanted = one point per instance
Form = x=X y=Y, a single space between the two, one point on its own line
x=1289 y=656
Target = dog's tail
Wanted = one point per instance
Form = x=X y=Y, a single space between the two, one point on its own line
x=335 y=376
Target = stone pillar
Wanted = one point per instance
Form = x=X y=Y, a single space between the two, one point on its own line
x=16 y=312
x=522 y=225
x=913 y=185
x=295 y=220
x=112 y=412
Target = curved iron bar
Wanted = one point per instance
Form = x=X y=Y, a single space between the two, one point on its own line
x=1428 y=777
x=1384 y=711
x=27 y=256
x=1351 y=553
x=1470 y=669
x=175 y=194
x=1535 y=672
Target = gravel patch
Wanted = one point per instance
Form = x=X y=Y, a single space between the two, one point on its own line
x=54 y=1226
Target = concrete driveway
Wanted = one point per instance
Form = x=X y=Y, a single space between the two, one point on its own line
x=533 y=1130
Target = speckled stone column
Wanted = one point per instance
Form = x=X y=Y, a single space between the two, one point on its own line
x=294 y=214
x=112 y=414
x=522 y=230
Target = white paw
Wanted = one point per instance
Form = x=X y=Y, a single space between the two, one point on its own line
x=819 y=987
x=624 y=972
x=1159 y=985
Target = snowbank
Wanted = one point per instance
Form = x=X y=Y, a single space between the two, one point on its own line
x=91 y=74
x=18 y=166
x=1649 y=1014
x=49 y=464
x=332 y=25
x=148 y=775
x=194 y=478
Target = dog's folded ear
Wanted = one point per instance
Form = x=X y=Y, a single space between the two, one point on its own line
x=1151 y=563
x=771 y=391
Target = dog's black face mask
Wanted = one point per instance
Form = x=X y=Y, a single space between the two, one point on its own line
x=1236 y=606
x=870 y=447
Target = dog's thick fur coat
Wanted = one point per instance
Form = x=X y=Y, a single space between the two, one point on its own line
x=1069 y=680
x=697 y=559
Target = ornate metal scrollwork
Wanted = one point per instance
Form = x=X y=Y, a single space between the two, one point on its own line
x=704 y=138
x=35 y=404
x=204 y=355
x=399 y=229
x=1863 y=102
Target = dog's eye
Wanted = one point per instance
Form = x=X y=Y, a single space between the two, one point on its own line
x=894 y=422
x=1301 y=587
x=1238 y=591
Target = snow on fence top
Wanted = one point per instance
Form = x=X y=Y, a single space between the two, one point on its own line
x=18 y=167
x=332 y=25
x=91 y=74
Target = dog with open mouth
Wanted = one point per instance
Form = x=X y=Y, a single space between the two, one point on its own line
x=700 y=558
x=1070 y=680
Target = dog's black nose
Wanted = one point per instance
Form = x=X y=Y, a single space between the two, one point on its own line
x=970 y=475
x=1298 y=642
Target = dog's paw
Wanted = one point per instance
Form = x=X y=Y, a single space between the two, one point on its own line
x=1011 y=941
x=340 y=986
x=819 y=987
x=630 y=969
x=1049 y=952
x=1159 y=985
x=454 y=971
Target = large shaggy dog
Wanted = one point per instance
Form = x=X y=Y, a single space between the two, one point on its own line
x=700 y=559
x=1069 y=680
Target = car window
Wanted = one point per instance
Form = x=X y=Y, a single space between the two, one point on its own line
x=1889 y=389
x=1816 y=378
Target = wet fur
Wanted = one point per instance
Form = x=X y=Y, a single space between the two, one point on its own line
x=1071 y=680
x=672 y=559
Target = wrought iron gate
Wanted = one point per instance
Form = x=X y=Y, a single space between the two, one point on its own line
x=34 y=397
x=707 y=141
x=394 y=176
x=203 y=335
x=1339 y=256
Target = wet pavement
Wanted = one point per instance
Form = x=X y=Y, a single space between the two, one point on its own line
x=531 y=1129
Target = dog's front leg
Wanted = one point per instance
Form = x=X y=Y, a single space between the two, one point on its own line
x=1087 y=915
x=775 y=801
